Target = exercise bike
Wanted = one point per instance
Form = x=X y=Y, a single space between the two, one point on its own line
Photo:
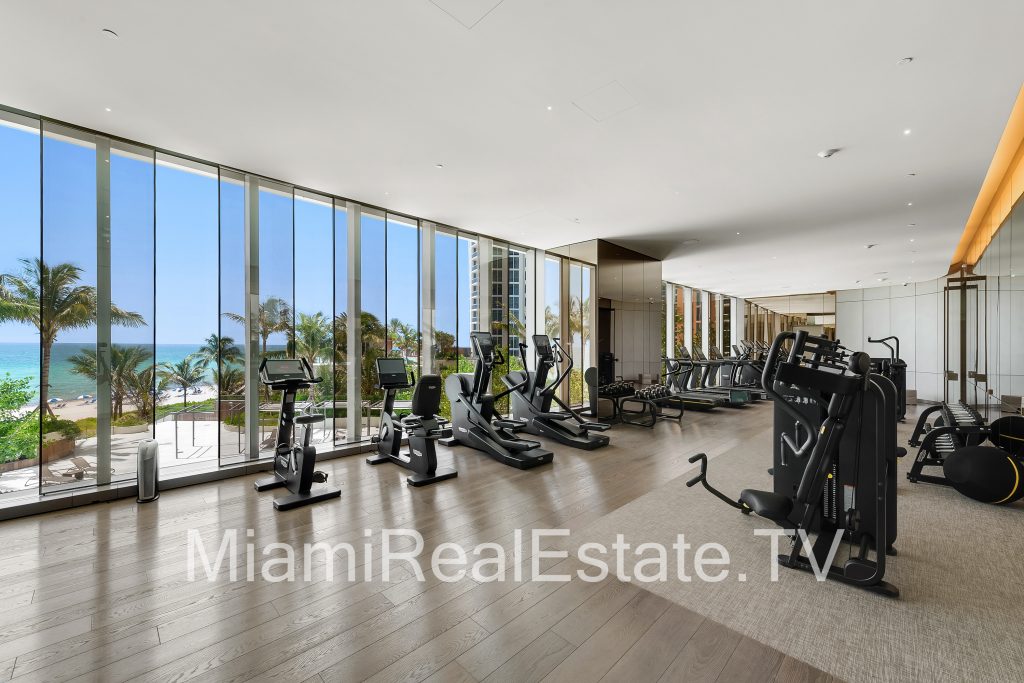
x=293 y=465
x=476 y=424
x=533 y=397
x=423 y=426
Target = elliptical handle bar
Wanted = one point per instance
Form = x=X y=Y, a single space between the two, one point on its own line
x=894 y=353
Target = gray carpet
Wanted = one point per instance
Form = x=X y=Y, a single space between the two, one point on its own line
x=960 y=571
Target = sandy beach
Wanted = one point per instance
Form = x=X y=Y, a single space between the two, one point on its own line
x=78 y=410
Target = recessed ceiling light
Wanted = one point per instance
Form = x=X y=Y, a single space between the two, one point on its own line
x=857 y=282
x=905 y=61
x=826 y=153
x=882 y=272
x=911 y=175
x=108 y=108
x=911 y=225
x=690 y=242
x=737 y=233
x=109 y=33
x=906 y=131
x=910 y=203
x=550 y=107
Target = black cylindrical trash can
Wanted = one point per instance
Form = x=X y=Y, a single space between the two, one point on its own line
x=149 y=470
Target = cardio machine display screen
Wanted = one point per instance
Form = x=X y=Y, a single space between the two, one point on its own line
x=284 y=369
x=391 y=371
x=542 y=343
x=486 y=342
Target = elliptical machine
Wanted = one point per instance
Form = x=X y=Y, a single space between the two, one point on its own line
x=474 y=420
x=424 y=426
x=532 y=398
x=293 y=465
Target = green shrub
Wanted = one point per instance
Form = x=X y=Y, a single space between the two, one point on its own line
x=86 y=427
x=67 y=428
x=130 y=420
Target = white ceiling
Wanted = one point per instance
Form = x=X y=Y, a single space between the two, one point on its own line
x=669 y=120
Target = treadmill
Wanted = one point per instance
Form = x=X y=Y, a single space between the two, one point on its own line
x=676 y=377
x=725 y=375
x=699 y=368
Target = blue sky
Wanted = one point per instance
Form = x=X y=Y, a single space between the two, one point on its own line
x=187 y=250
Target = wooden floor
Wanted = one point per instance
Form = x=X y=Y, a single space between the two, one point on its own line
x=101 y=594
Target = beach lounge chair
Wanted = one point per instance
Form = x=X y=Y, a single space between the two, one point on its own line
x=87 y=467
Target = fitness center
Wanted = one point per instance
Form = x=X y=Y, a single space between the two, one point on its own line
x=511 y=340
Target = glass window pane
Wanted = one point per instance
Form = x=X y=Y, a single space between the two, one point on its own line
x=314 y=305
x=19 y=335
x=575 y=345
x=403 y=286
x=498 y=298
x=373 y=318
x=187 y=310
x=68 y=276
x=469 y=297
x=231 y=350
x=132 y=354
x=341 y=316
x=446 y=308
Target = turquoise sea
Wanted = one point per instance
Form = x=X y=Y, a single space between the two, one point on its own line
x=22 y=360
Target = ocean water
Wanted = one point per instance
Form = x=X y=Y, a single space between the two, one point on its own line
x=22 y=360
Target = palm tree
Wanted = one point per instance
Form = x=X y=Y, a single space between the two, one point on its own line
x=552 y=325
x=312 y=338
x=51 y=298
x=230 y=380
x=274 y=315
x=140 y=390
x=409 y=341
x=124 y=370
x=217 y=349
x=187 y=373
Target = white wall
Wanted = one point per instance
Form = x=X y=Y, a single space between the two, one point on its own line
x=914 y=313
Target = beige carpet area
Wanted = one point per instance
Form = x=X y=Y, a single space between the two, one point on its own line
x=960 y=571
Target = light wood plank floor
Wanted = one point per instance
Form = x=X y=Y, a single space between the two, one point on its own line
x=101 y=593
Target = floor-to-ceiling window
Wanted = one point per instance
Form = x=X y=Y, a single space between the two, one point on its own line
x=313 y=337
x=275 y=314
x=698 y=322
x=446 y=307
x=727 y=340
x=187 y=309
x=133 y=370
x=232 y=356
x=67 y=281
x=679 y=326
x=373 y=316
x=158 y=254
x=339 y=406
x=19 y=320
x=497 y=302
x=403 y=289
x=713 y=327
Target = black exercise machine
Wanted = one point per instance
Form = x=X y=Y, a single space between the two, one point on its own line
x=696 y=368
x=895 y=368
x=953 y=440
x=532 y=398
x=423 y=426
x=476 y=424
x=677 y=376
x=851 y=492
x=293 y=465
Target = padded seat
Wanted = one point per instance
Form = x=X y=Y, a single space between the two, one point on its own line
x=773 y=506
